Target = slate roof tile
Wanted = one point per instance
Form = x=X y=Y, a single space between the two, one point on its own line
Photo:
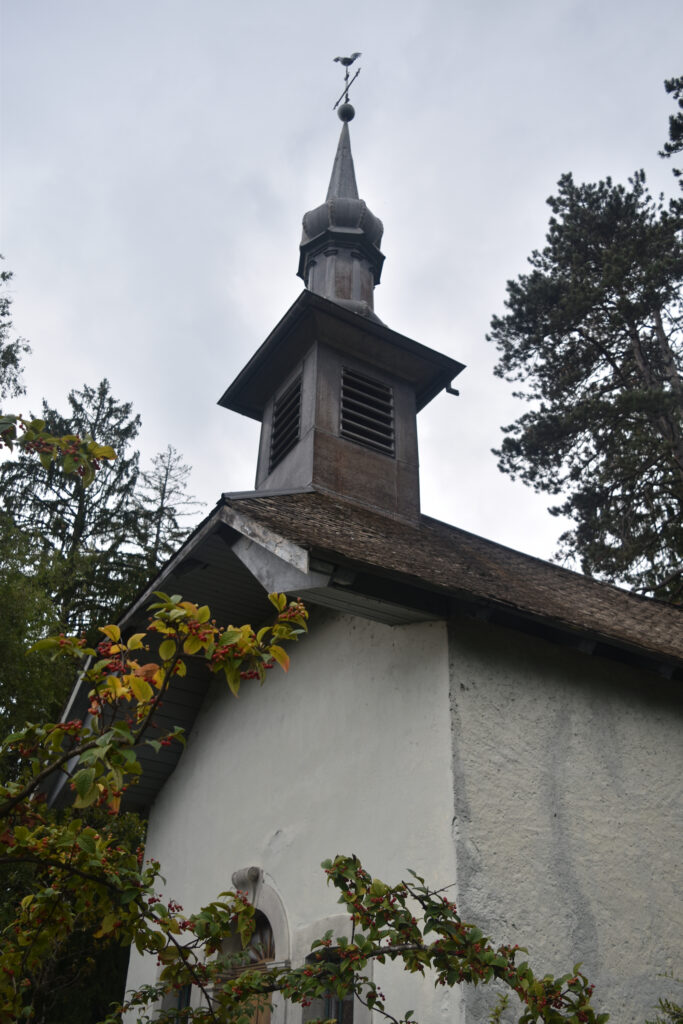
x=436 y=556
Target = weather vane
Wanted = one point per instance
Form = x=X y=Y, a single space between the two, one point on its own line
x=347 y=62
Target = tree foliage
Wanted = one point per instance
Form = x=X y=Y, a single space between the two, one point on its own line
x=593 y=337
x=163 y=502
x=52 y=566
x=27 y=614
x=674 y=144
x=33 y=688
x=83 y=881
x=84 y=537
x=668 y=1012
x=96 y=536
x=407 y=922
x=11 y=352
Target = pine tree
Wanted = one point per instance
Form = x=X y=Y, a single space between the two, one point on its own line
x=163 y=503
x=11 y=352
x=674 y=144
x=86 y=540
x=593 y=335
x=32 y=687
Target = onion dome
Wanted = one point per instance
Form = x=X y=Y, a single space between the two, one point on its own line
x=340 y=257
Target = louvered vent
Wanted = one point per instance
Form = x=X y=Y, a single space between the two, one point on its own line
x=286 y=419
x=367 y=412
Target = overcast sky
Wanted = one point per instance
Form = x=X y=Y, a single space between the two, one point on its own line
x=158 y=156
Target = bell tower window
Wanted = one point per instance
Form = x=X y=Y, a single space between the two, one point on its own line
x=367 y=412
x=286 y=423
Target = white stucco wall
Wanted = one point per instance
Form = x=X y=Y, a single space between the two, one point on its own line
x=567 y=801
x=348 y=753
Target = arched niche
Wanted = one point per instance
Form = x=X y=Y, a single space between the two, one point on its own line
x=269 y=907
x=264 y=898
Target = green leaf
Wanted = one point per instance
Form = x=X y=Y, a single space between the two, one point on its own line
x=167 y=649
x=168 y=955
x=86 y=841
x=232 y=674
x=83 y=781
x=46 y=644
x=229 y=637
x=89 y=798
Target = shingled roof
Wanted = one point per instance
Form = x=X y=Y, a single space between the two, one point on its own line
x=437 y=557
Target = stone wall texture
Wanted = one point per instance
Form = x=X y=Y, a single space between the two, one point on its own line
x=567 y=812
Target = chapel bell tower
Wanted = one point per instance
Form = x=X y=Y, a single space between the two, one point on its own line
x=336 y=391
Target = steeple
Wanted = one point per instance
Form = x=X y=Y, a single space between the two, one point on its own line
x=336 y=391
x=343 y=180
x=340 y=257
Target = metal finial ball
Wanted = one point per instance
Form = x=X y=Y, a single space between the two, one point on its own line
x=346 y=112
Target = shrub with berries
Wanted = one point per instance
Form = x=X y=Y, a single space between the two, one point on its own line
x=82 y=878
x=408 y=923
x=71 y=453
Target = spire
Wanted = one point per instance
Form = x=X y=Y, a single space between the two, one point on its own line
x=340 y=257
x=343 y=180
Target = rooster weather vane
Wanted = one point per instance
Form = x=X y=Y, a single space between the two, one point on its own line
x=346 y=62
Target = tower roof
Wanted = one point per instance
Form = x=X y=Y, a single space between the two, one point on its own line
x=312 y=319
x=340 y=258
x=343 y=180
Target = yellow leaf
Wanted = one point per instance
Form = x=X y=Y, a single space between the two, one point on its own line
x=101 y=451
x=280 y=655
x=140 y=687
x=117 y=687
x=192 y=645
x=106 y=926
x=135 y=641
x=113 y=632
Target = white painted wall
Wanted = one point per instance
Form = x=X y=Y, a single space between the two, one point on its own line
x=554 y=779
x=348 y=753
x=568 y=773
